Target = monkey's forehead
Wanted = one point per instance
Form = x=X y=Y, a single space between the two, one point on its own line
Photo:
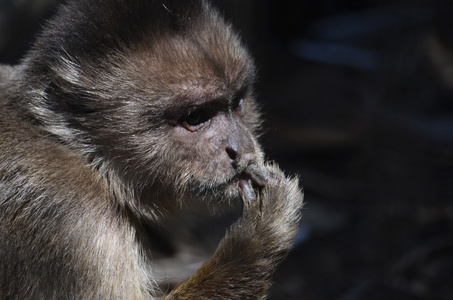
x=189 y=65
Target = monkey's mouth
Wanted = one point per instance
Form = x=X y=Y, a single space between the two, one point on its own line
x=252 y=175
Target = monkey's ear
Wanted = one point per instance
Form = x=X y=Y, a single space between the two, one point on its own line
x=53 y=97
x=68 y=73
x=64 y=101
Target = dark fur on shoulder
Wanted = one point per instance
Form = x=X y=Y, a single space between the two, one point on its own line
x=124 y=112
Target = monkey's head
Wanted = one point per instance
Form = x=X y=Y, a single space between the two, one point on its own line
x=157 y=92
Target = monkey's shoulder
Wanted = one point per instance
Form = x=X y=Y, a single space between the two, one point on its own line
x=29 y=157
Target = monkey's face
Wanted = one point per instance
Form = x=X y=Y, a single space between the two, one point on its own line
x=199 y=141
x=194 y=144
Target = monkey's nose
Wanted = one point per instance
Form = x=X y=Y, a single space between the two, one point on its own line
x=237 y=160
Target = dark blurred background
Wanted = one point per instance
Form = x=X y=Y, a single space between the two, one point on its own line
x=358 y=100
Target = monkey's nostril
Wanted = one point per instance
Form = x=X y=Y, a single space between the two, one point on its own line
x=233 y=155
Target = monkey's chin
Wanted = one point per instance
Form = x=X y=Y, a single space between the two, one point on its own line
x=225 y=197
x=231 y=190
x=224 y=194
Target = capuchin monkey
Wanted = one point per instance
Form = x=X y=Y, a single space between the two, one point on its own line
x=122 y=114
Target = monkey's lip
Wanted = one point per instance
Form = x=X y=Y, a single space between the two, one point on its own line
x=231 y=183
x=254 y=180
x=251 y=174
x=241 y=186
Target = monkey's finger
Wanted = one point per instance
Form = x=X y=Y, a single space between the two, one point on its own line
x=256 y=175
x=247 y=190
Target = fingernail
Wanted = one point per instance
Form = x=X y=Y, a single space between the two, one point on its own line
x=247 y=189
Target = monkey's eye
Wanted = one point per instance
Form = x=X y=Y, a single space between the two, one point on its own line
x=236 y=102
x=195 y=119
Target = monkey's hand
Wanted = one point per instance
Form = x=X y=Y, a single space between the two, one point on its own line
x=242 y=266
x=272 y=208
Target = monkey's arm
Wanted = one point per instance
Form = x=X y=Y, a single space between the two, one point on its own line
x=242 y=266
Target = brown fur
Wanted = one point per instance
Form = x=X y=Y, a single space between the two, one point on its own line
x=96 y=139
